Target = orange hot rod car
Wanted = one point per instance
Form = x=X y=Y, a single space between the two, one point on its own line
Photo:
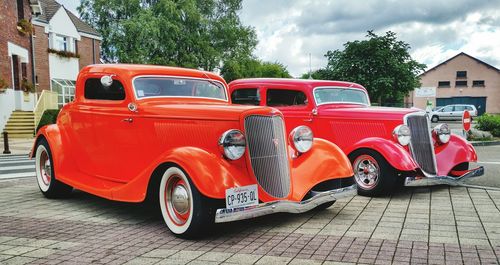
x=138 y=132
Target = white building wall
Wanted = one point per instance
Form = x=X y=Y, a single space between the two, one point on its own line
x=63 y=68
x=7 y=106
x=61 y=24
x=25 y=101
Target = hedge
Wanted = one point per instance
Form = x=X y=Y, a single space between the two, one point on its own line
x=48 y=117
x=491 y=123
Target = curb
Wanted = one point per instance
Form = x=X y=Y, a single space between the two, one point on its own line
x=485 y=143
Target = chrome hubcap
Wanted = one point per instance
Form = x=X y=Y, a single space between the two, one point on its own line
x=180 y=199
x=177 y=200
x=45 y=168
x=366 y=171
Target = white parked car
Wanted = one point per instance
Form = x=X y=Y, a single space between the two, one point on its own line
x=452 y=112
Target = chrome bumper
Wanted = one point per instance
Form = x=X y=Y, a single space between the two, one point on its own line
x=228 y=215
x=443 y=180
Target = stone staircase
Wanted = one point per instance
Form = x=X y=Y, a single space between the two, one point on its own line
x=21 y=124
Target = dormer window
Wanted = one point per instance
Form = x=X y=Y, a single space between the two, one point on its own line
x=36 y=9
x=61 y=43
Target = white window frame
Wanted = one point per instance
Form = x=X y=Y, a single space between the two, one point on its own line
x=65 y=88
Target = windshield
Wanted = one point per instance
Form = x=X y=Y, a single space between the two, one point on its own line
x=327 y=95
x=159 y=86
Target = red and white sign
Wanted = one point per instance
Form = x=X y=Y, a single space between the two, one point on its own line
x=466 y=120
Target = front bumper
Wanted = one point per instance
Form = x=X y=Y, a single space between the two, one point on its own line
x=443 y=180
x=228 y=215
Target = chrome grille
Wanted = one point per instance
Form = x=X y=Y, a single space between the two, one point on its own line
x=268 y=154
x=421 y=144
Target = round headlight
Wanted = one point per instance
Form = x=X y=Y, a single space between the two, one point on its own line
x=233 y=144
x=302 y=138
x=443 y=133
x=402 y=134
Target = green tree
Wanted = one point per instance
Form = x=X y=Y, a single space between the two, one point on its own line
x=320 y=74
x=251 y=67
x=188 y=33
x=381 y=63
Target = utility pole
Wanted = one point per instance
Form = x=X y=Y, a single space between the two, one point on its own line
x=310 y=69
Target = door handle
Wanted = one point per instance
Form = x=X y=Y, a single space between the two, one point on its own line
x=129 y=120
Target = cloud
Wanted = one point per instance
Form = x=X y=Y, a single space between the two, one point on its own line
x=436 y=30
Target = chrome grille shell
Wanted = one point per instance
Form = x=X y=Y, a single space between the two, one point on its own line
x=421 y=143
x=267 y=151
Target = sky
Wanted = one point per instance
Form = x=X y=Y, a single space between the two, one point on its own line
x=297 y=33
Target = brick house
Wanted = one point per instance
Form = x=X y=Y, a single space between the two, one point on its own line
x=462 y=79
x=16 y=57
x=63 y=44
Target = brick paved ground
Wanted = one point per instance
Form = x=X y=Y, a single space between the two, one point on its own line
x=440 y=225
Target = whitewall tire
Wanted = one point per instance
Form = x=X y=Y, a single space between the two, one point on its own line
x=45 y=173
x=176 y=200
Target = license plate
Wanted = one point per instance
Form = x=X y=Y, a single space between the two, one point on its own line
x=242 y=196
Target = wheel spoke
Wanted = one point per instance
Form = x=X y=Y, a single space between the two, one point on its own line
x=367 y=171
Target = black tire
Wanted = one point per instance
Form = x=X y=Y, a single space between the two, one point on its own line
x=382 y=181
x=201 y=214
x=435 y=118
x=47 y=181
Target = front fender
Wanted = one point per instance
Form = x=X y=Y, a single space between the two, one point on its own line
x=210 y=173
x=455 y=152
x=396 y=155
x=325 y=161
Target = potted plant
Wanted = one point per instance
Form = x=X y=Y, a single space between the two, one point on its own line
x=27 y=86
x=3 y=85
x=64 y=54
x=25 y=27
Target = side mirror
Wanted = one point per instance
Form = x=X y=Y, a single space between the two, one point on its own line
x=106 y=81
x=314 y=112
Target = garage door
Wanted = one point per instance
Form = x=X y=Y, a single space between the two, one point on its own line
x=479 y=102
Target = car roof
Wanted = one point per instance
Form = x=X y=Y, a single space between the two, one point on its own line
x=459 y=105
x=292 y=81
x=132 y=70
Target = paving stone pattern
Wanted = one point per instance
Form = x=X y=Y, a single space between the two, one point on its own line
x=438 y=225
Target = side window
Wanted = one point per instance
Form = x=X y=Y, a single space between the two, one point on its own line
x=246 y=96
x=468 y=108
x=284 y=98
x=95 y=90
x=447 y=109
x=459 y=108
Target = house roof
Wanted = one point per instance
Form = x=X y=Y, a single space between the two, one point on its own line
x=465 y=54
x=50 y=7
x=82 y=26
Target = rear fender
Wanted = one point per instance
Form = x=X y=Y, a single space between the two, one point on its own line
x=52 y=134
x=396 y=155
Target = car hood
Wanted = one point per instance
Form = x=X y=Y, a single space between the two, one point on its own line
x=365 y=112
x=201 y=111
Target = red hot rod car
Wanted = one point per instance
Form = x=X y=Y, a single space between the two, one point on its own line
x=170 y=134
x=384 y=144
